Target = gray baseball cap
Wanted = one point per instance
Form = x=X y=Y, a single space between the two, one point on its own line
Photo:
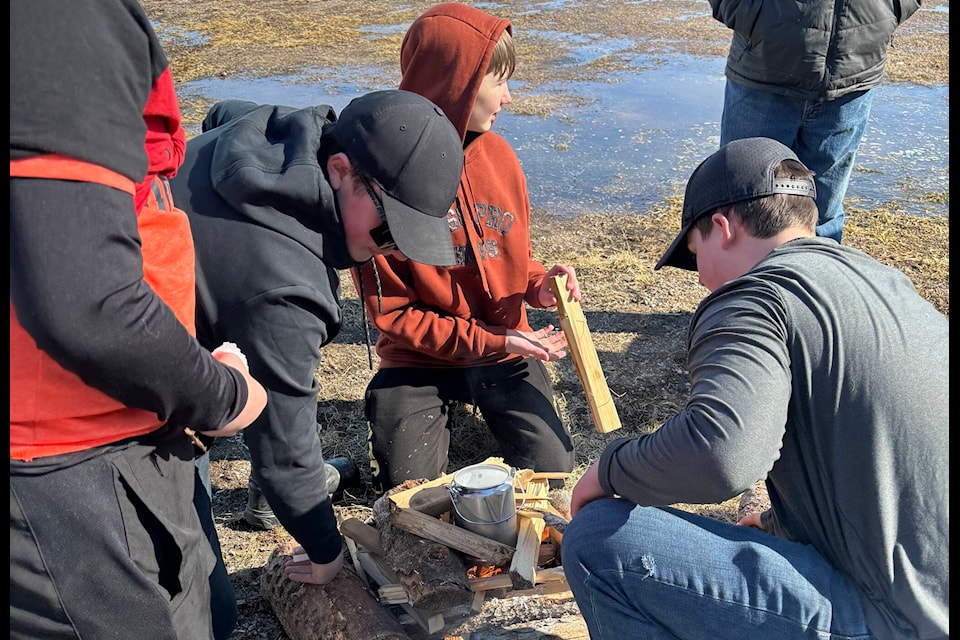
x=411 y=149
x=740 y=170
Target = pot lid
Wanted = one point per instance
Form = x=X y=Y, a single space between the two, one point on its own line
x=482 y=476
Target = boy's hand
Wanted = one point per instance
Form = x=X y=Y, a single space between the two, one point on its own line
x=542 y=345
x=230 y=355
x=547 y=299
x=301 y=569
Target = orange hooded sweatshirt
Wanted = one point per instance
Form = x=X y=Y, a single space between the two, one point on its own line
x=459 y=315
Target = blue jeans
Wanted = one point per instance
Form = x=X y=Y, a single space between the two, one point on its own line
x=650 y=573
x=825 y=135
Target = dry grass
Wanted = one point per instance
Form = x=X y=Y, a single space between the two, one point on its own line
x=637 y=317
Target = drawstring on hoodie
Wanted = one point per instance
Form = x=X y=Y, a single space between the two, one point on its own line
x=363 y=308
x=465 y=195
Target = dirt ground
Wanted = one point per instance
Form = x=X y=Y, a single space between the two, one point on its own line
x=637 y=317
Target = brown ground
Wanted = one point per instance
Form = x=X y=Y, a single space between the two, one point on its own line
x=637 y=317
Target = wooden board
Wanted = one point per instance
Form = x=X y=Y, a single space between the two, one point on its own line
x=580 y=344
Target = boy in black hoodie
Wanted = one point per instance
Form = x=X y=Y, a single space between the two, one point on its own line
x=279 y=200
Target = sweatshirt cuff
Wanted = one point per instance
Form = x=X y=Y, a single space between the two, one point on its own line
x=606 y=459
x=326 y=544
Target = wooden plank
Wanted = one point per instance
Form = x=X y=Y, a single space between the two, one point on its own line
x=393 y=594
x=363 y=534
x=580 y=345
x=477 y=603
x=354 y=557
x=553 y=575
x=430 y=622
x=559 y=588
x=499 y=581
x=377 y=568
x=549 y=475
x=484 y=549
x=523 y=566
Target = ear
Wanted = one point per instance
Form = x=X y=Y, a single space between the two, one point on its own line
x=338 y=167
x=724 y=225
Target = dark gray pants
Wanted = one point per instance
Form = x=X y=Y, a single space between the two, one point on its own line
x=109 y=547
x=408 y=412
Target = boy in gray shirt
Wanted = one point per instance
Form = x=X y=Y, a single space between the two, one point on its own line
x=811 y=365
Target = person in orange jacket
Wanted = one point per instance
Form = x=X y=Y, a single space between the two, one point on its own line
x=461 y=333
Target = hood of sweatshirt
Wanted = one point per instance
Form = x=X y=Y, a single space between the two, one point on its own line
x=266 y=162
x=445 y=55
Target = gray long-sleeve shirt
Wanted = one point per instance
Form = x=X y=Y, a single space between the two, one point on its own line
x=824 y=371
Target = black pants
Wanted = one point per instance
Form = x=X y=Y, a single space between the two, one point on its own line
x=109 y=547
x=408 y=412
x=223 y=599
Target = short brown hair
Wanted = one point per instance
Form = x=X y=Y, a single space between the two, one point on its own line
x=503 y=62
x=769 y=215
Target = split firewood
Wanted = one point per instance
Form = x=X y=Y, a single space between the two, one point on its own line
x=433 y=501
x=363 y=534
x=482 y=549
x=380 y=573
x=434 y=576
x=523 y=566
x=342 y=609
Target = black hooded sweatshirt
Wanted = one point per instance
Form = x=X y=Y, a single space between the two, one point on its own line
x=269 y=244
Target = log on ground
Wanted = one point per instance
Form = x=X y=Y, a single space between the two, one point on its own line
x=342 y=609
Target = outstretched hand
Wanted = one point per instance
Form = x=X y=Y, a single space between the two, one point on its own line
x=543 y=344
x=547 y=299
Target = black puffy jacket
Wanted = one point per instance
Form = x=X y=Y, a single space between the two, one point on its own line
x=811 y=49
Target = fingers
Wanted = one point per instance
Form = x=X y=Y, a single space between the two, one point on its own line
x=307 y=571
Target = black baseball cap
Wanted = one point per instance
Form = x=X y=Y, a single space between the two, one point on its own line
x=741 y=170
x=411 y=149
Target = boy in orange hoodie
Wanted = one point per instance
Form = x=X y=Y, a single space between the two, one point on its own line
x=460 y=333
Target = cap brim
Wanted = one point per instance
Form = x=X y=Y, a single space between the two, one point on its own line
x=677 y=255
x=420 y=237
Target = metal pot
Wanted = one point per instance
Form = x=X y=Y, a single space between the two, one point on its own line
x=484 y=502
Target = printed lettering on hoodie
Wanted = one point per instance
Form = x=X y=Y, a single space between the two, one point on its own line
x=489 y=216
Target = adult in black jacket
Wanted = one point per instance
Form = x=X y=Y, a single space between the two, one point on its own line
x=803 y=73
x=279 y=200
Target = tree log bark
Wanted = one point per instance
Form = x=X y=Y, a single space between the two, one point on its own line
x=342 y=609
x=434 y=575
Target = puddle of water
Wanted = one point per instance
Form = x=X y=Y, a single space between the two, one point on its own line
x=640 y=135
x=179 y=36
